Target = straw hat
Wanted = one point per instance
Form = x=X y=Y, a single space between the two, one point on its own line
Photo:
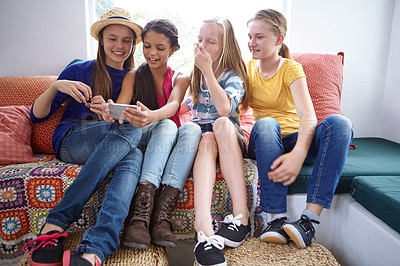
x=116 y=15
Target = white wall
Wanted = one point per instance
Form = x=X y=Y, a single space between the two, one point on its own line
x=390 y=127
x=361 y=29
x=41 y=37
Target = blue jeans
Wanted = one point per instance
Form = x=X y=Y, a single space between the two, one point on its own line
x=182 y=156
x=166 y=147
x=328 y=152
x=102 y=147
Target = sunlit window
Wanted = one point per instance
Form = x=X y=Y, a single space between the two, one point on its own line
x=188 y=16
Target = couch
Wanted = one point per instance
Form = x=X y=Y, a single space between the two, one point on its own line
x=32 y=180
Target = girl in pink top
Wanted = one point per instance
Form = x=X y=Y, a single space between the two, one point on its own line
x=158 y=91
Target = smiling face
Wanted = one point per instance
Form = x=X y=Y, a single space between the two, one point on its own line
x=156 y=49
x=210 y=37
x=263 y=43
x=118 y=42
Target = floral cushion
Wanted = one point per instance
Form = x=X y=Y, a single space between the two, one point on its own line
x=29 y=191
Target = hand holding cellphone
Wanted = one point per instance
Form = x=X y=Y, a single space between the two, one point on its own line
x=115 y=109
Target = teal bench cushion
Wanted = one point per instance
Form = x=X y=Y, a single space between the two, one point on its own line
x=372 y=156
x=381 y=196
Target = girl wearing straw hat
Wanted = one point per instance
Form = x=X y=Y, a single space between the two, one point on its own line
x=101 y=146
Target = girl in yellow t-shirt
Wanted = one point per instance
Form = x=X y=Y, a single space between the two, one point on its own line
x=286 y=133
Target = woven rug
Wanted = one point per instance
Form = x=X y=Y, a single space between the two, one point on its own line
x=255 y=252
x=155 y=255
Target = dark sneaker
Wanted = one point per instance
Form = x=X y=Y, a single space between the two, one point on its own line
x=301 y=231
x=72 y=258
x=233 y=232
x=274 y=232
x=208 y=250
x=46 y=249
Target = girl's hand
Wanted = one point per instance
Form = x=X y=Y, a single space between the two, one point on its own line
x=76 y=89
x=97 y=105
x=138 y=118
x=106 y=116
x=202 y=58
x=286 y=168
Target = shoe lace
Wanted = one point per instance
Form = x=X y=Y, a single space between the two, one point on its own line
x=166 y=209
x=214 y=240
x=142 y=207
x=306 y=223
x=277 y=222
x=233 y=222
x=43 y=241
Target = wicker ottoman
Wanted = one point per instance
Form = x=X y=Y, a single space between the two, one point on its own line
x=155 y=255
x=255 y=252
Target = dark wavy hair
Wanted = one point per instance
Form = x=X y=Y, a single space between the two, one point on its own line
x=144 y=89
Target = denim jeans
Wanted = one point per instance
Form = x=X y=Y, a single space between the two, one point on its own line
x=328 y=152
x=182 y=156
x=168 y=152
x=102 y=147
x=157 y=141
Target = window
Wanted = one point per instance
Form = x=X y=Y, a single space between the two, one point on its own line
x=188 y=16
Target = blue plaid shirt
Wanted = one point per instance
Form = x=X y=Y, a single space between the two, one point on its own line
x=204 y=111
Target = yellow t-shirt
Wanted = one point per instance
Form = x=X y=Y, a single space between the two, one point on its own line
x=272 y=97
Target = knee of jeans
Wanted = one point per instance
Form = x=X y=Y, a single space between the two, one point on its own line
x=167 y=126
x=190 y=130
x=340 y=124
x=266 y=125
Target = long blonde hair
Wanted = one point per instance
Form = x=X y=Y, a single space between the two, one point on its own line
x=101 y=81
x=279 y=26
x=231 y=58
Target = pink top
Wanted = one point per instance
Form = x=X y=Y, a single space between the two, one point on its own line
x=167 y=89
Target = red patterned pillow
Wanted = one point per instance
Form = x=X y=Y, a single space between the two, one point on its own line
x=15 y=135
x=324 y=74
x=24 y=91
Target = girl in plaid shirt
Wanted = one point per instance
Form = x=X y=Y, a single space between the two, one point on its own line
x=219 y=84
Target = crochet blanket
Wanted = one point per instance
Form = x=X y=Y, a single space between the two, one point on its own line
x=28 y=191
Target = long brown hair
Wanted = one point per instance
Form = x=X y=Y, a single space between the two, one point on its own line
x=101 y=81
x=279 y=26
x=144 y=89
x=231 y=58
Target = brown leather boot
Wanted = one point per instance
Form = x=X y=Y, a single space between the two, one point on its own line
x=136 y=232
x=161 y=227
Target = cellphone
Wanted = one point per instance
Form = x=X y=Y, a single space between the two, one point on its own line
x=115 y=110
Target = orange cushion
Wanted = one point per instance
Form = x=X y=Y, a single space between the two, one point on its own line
x=324 y=74
x=15 y=135
x=24 y=91
x=247 y=123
